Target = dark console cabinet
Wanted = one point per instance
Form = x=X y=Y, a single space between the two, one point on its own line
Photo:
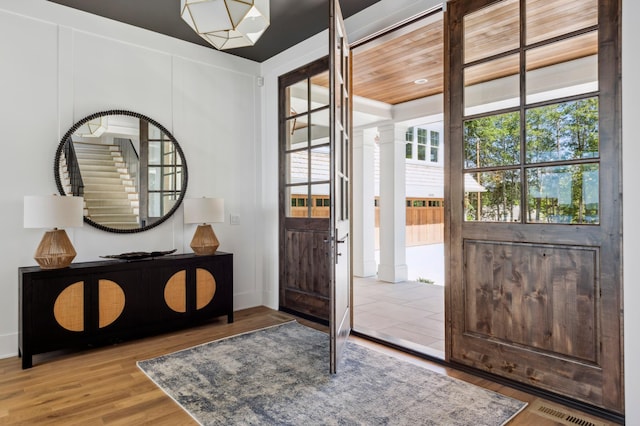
x=109 y=301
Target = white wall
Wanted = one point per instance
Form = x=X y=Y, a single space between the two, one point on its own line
x=59 y=65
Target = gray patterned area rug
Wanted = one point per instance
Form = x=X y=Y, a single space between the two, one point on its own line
x=279 y=376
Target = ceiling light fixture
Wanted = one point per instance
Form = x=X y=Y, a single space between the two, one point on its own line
x=420 y=81
x=227 y=24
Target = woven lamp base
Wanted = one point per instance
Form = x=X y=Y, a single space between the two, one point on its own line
x=55 y=250
x=204 y=241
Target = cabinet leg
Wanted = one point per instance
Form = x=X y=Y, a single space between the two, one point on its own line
x=230 y=318
x=27 y=361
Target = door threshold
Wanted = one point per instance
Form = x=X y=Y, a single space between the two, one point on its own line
x=403 y=345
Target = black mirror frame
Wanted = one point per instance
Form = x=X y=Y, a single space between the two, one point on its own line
x=76 y=126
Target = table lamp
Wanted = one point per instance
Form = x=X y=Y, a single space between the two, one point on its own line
x=53 y=211
x=204 y=211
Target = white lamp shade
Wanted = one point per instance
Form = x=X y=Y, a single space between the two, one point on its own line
x=53 y=211
x=203 y=210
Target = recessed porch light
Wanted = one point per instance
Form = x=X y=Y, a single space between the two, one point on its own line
x=421 y=81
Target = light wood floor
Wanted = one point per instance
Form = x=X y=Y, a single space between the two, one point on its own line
x=104 y=386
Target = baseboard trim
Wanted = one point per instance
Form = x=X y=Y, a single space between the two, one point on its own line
x=8 y=345
x=551 y=396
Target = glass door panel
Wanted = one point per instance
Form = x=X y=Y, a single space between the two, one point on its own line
x=298 y=96
x=492 y=85
x=564 y=68
x=564 y=194
x=492 y=141
x=499 y=199
x=568 y=16
x=564 y=131
x=492 y=30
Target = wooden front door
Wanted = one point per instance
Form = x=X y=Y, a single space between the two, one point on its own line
x=305 y=192
x=534 y=277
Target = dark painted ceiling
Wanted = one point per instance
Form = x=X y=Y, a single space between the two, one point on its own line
x=292 y=21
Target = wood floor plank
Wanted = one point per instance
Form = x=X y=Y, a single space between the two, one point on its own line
x=103 y=386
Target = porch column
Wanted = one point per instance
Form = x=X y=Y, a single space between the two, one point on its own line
x=364 y=261
x=393 y=266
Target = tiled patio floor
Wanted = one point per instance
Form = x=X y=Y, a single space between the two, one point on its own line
x=408 y=313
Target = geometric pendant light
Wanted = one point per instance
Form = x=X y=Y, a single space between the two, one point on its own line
x=227 y=24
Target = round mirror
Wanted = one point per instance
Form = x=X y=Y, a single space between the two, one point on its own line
x=129 y=169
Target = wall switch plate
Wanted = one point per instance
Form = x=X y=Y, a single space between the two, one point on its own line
x=234 y=219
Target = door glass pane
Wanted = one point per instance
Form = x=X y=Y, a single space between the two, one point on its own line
x=297 y=132
x=298 y=98
x=492 y=30
x=320 y=164
x=168 y=201
x=297 y=164
x=154 y=180
x=155 y=204
x=496 y=200
x=154 y=132
x=297 y=201
x=155 y=152
x=320 y=127
x=564 y=194
x=168 y=178
x=551 y=18
x=320 y=90
x=492 y=85
x=564 y=131
x=321 y=193
x=492 y=141
x=169 y=153
x=345 y=200
x=178 y=179
x=564 y=68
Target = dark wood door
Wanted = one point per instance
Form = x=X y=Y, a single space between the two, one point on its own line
x=304 y=162
x=340 y=131
x=534 y=284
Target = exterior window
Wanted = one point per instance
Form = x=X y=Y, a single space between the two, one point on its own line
x=409 y=145
x=422 y=144
x=435 y=146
